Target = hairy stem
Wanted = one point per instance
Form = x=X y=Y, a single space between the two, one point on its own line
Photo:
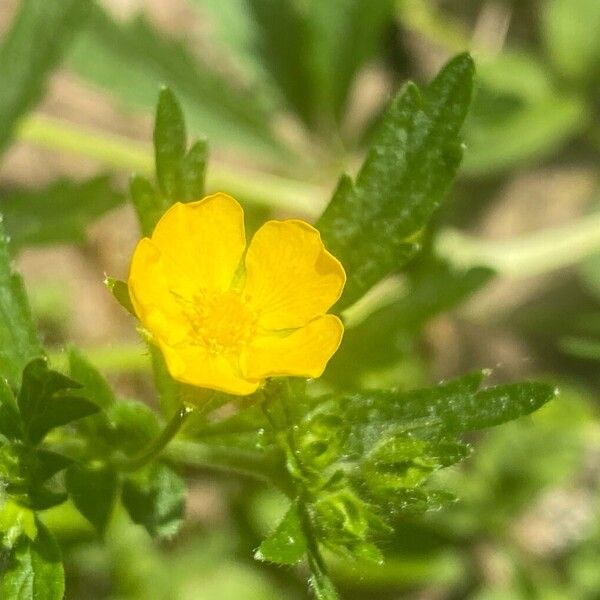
x=158 y=445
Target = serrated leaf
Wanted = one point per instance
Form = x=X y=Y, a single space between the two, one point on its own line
x=453 y=407
x=57 y=213
x=19 y=342
x=93 y=384
x=34 y=569
x=155 y=498
x=39 y=36
x=287 y=544
x=45 y=401
x=94 y=493
x=371 y=224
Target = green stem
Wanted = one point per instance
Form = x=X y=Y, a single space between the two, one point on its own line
x=538 y=253
x=158 y=445
x=114 y=151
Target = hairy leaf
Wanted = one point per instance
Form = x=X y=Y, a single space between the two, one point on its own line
x=372 y=224
x=34 y=569
x=18 y=338
x=287 y=544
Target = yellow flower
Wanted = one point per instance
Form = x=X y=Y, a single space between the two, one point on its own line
x=226 y=318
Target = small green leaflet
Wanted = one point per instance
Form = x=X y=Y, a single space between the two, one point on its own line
x=34 y=569
x=155 y=498
x=94 y=492
x=373 y=223
x=46 y=401
x=287 y=544
x=18 y=337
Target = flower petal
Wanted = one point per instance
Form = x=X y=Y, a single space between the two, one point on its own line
x=304 y=352
x=290 y=277
x=203 y=241
x=155 y=304
x=196 y=366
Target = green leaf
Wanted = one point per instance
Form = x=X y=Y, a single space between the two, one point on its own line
x=571 y=38
x=40 y=465
x=33 y=47
x=93 y=385
x=287 y=544
x=155 y=498
x=452 y=407
x=45 y=401
x=148 y=205
x=94 y=492
x=120 y=290
x=18 y=338
x=170 y=142
x=134 y=59
x=372 y=224
x=194 y=171
x=132 y=426
x=10 y=420
x=313 y=51
x=58 y=213
x=34 y=569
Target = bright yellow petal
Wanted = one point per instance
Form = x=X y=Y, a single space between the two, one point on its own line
x=196 y=366
x=203 y=241
x=304 y=352
x=290 y=277
x=150 y=290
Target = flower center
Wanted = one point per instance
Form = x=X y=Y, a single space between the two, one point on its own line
x=221 y=321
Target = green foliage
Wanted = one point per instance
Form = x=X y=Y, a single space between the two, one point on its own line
x=180 y=174
x=18 y=339
x=94 y=492
x=361 y=461
x=57 y=213
x=34 y=570
x=313 y=52
x=38 y=39
x=155 y=498
x=287 y=545
x=93 y=385
x=46 y=401
x=373 y=224
x=386 y=336
x=133 y=60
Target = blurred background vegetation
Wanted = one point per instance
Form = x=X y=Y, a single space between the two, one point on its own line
x=288 y=92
